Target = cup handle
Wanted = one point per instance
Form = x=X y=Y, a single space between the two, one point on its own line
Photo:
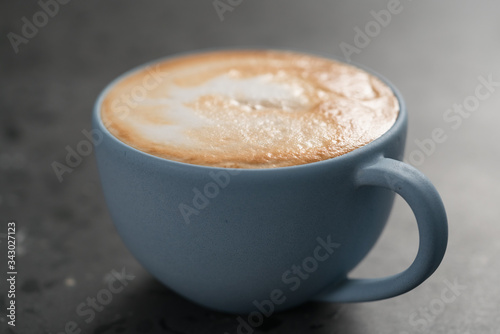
x=429 y=212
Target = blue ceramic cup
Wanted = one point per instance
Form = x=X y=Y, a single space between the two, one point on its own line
x=263 y=240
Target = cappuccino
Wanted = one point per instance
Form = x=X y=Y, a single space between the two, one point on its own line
x=249 y=109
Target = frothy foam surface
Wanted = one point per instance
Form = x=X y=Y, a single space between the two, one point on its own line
x=249 y=109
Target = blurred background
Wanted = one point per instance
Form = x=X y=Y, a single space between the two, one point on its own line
x=56 y=56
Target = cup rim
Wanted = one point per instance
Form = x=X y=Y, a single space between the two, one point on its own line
x=400 y=121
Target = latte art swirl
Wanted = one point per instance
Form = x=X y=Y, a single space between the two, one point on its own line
x=249 y=109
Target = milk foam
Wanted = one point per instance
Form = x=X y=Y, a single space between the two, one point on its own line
x=250 y=109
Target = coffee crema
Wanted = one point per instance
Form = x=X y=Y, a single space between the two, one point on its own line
x=249 y=109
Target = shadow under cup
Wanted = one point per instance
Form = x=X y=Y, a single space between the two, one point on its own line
x=244 y=240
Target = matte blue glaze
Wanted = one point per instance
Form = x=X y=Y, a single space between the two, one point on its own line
x=240 y=248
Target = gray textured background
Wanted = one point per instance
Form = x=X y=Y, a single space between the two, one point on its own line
x=434 y=51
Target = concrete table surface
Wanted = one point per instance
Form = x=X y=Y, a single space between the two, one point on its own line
x=436 y=52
